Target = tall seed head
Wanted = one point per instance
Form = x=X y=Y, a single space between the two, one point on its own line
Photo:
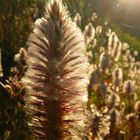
x=117 y=77
x=129 y=86
x=98 y=124
x=104 y=61
x=115 y=118
x=89 y=33
x=57 y=78
x=113 y=100
x=77 y=19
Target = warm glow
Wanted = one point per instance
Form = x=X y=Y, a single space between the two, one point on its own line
x=130 y=3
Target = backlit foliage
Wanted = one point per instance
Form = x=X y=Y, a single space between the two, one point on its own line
x=53 y=106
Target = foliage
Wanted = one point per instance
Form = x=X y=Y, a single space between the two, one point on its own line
x=16 y=21
x=126 y=37
x=114 y=90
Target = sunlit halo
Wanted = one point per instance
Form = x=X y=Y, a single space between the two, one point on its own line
x=128 y=2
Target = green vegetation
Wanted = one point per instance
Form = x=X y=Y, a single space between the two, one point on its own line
x=126 y=37
x=114 y=70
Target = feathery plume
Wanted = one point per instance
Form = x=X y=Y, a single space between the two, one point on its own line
x=99 y=124
x=129 y=86
x=89 y=33
x=104 y=62
x=113 y=100
x=57 y=77
x=116 y=52
x=114 y=46
x=112 y=42
x=77 y=19
x=115 y=118
x=117 y=77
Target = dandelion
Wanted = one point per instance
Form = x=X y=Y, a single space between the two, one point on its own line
x=57 y=78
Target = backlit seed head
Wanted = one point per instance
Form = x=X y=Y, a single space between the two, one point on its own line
x=116 y=51
x=57 y=77
x=128 y=86
x=115 y=117
x=113 y=100
x=112 y=42
x=77 y=19
x=99 y=30
x=98 y=125
x=117 y=77
x=137 y=107
x=89 y=32
x=104 y=61
x=94 y=17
